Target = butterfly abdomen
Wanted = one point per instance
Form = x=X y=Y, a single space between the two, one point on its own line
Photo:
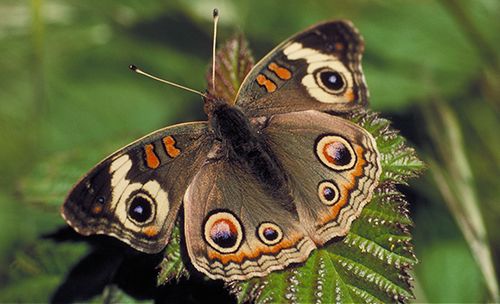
x=245 y=146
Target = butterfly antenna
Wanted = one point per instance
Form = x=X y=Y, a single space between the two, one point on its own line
x=216 y=20
x=139 y=71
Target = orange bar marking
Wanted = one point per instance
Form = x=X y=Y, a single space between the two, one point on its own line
x=281 y=72
x=263 y=81
x=152 y=161
x=170 y=148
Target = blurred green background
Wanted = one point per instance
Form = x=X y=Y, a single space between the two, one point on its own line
x=67 y=100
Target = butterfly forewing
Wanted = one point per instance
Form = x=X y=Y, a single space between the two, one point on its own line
x=318 y=69
x=135 y=193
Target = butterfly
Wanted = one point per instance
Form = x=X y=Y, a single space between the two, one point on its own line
x=268 y=178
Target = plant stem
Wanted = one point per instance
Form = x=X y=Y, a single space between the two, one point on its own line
x=453 y=176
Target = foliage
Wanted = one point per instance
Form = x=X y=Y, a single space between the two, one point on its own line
x=432 y=68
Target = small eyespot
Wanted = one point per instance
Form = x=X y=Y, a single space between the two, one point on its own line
x=335 y=152
x=141 y=208
x=98 y=205
x=331 y=81
x=328 y=193
x=269 y=233
x=223 y=232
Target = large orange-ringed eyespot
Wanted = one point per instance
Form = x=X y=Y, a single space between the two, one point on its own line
x=223 y=232
x=335 y=152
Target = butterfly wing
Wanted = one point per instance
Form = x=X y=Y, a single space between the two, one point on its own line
x=332 y=165
x=135 y=193
x=318 y=69
x=235 y=229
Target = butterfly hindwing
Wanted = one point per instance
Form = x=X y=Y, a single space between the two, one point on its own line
x=318 y=69
x=333 y=167
x=135 y=193
x=236 y=229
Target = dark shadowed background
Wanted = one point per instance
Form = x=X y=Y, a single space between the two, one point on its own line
x=67 y=100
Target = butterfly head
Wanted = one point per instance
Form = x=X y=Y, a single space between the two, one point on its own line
x=211 y=103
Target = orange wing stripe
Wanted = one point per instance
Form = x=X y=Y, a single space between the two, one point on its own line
x=243 y=255
x=345 y=189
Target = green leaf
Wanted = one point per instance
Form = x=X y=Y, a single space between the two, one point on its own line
x=398 y=160
x=172 y=266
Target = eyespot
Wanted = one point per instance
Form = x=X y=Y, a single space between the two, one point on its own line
x=335 y=152
x=223 y=232
x=98 y=205
x=141 y=208
x=331 y=81
x=328 y=193
x=269 y=233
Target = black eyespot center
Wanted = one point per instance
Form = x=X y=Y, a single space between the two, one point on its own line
x=270 y=234
x=332 y=80
x=328 y=193
x=339 y=153
x=223 y=231
x=225 y=239
x=140 y=209
x=101 y=199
